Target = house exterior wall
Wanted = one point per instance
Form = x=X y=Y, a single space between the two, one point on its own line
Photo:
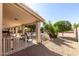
x=0 y=29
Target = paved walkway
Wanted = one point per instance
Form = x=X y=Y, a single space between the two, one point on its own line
x=36 y=50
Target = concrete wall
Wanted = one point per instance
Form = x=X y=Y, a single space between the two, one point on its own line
x=0 y=29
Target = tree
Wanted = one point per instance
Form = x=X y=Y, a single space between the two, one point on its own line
x=42 y=29
x=62 y=26
x=48 y=27
x=32 y=28
x=75 y=25
x=76 y=30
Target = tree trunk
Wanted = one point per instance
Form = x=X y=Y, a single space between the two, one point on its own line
x=76 y=34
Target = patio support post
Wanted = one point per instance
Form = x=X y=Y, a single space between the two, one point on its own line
x=20 y=29
x=38 y=40
x=0 y=29
x=12 y=30
x=23 y=29
x=16 y=30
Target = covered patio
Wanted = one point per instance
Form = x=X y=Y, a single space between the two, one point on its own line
x=15 y=18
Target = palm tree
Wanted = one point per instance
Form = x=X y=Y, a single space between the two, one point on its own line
x=48 y=27
x=76 y=29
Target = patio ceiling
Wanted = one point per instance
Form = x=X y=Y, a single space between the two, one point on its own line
x=18 y=14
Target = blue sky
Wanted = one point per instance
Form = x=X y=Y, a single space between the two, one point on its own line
x=57 y=11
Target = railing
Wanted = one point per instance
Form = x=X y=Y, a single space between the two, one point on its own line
x=13 y=44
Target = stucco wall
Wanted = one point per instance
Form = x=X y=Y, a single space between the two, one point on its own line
x=0 y=29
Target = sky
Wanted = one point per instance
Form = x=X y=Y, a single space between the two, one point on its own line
x=57 y=11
